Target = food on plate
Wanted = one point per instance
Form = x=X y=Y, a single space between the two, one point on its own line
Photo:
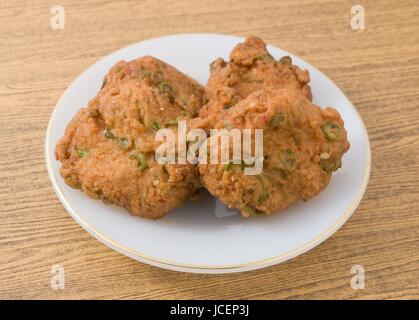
x=108 y=148
x=251 y=68
x=302 y=146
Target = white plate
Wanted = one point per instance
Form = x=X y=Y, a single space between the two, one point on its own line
x=205 y=236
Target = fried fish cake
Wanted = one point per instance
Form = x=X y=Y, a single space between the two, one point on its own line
x=251 y=68
x=108 y=149
x=302 y=146
x=148 y=91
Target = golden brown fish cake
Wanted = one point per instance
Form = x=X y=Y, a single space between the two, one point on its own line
x=108 y=148
x=251 y=68
x=166 y=93
x=302 y=146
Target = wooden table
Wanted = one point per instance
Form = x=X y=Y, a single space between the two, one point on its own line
x=378 y=68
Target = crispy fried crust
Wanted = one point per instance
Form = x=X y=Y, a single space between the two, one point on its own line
x=303 y=145
x=108 y=148
x=250 y=69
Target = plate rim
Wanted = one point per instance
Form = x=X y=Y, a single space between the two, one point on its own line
x=197 y=268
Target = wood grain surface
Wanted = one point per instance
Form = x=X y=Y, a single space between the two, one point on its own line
x=378 y=69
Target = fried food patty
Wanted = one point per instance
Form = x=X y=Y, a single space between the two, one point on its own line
x=302 y=146
x=108 y=149
x=251 y=68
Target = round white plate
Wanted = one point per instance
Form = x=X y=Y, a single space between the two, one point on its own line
x=205 y=236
